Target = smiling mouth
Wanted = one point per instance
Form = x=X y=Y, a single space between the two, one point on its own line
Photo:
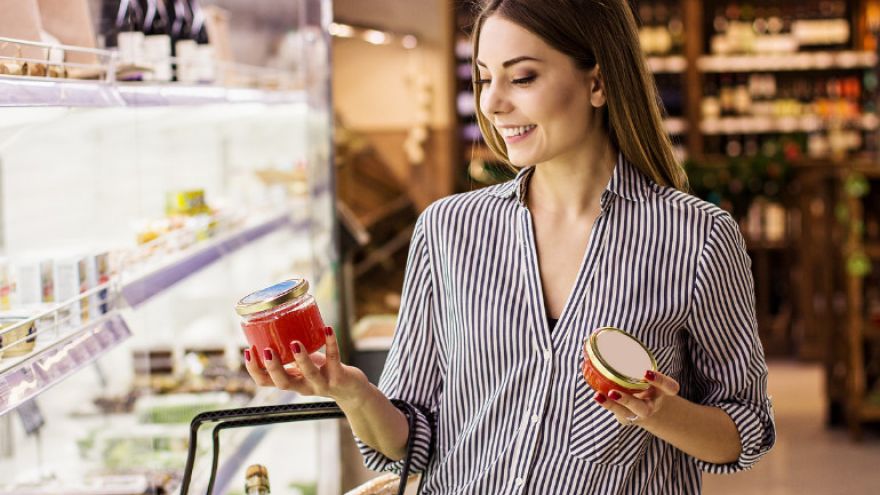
x=513 y=132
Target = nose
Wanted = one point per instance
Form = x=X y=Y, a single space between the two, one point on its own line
x=493 y=100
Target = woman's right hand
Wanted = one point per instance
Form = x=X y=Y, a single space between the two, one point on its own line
x=319 y=374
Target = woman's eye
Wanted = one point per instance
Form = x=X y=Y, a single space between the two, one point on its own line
x=524 y=80
x=480 y=82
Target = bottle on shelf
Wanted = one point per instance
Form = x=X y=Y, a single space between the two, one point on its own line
x=204 y=50
x=256 y=480
x=185 y=47
x=122 y=28
x=157 y=41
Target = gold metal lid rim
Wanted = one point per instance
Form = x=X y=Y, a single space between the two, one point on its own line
x=608 y=371
x=300 y=289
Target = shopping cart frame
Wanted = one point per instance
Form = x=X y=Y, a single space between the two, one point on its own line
x=283 y=413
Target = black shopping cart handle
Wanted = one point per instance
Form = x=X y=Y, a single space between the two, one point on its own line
x=283 y=413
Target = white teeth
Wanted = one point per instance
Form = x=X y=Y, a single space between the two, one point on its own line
x=516 y=131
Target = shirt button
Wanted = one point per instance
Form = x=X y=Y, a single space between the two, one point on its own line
x=547 y=355
x=519 y=482
x=535 y=419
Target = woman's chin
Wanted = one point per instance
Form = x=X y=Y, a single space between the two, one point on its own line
x=521 y=160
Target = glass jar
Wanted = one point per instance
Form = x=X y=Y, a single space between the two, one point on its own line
x=278 y=315
x=256 y=480
x=615 y=360
x=16 y=336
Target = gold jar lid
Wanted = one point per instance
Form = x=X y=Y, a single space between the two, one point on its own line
x=256 y=470
x=608 y=369
x=272 y=297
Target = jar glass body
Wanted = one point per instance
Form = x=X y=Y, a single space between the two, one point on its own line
x=276 y=328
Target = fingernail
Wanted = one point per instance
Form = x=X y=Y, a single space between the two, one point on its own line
x=328 y=331
x=614 y=395
x=247 y=355
x=600 y=398
x=267 y=353
x=296 y=348
x=650 y=376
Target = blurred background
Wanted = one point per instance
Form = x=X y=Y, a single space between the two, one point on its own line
x=160 y=159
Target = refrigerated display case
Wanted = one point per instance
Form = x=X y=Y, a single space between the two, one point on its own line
x=133 y=215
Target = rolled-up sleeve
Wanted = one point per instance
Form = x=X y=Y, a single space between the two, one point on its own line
x=725 y=348
x=412 y=372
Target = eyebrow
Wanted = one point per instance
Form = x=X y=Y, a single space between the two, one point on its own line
x=512 y=61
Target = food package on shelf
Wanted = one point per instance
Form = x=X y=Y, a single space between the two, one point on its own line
x=178 y=408
x=18 y=337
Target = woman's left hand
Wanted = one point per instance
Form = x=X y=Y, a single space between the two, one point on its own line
x=641 y=406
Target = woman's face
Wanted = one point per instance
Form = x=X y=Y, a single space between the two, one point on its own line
x=543 y=106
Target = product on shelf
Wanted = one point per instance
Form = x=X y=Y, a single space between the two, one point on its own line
x=5 y=285
x=276 y=316
x=71 y=278
x=14 y=336
x=784 y=27
x=615 y=360
x=34 y=281
x=191 y=202
x=157 y=40
x=256 y=480
x=178 y=408
x=662 y=29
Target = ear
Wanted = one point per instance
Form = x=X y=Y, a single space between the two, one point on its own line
x=596 y=80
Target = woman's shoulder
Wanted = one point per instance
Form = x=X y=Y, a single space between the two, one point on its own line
x=689 y=204
x=479 y=203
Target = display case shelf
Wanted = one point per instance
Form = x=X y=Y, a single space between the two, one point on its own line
x=20 y=91
x=16 y=91
x=140 y=95
x=799 y=61
x=22 y=379
x=674 y=64
x=147 y=284
x=760 y=125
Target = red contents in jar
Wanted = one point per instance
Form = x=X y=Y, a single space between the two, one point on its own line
x=598 y=381
x=278 y=329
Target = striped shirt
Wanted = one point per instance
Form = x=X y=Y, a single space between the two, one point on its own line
x=505 y=406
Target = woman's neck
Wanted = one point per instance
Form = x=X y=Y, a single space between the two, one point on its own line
x=571 y=186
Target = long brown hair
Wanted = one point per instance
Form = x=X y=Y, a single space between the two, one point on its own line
x=592 y=32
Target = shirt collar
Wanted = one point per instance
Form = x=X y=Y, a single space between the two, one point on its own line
x=626 y=182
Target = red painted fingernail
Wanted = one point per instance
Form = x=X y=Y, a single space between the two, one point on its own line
x=614 y=395
x=600 y=398
x=296 y=348
x=328 y=331
x=267 y=353
x=650 y=375
x=247 y=355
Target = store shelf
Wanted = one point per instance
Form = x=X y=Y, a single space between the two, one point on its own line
x=870 y=330
x=670 y=65
x=140 y=95
x=870 y=412
x=24 y=378
x=872 y=250
x=17 y=91
x=146 y=285
x=799 y=61
x=675 y=125
x=763 y=125
x=766 y=245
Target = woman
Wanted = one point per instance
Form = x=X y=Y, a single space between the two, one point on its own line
x=504 y=284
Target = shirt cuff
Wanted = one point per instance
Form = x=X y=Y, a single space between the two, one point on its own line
x=421 y=449
x=757 y=434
